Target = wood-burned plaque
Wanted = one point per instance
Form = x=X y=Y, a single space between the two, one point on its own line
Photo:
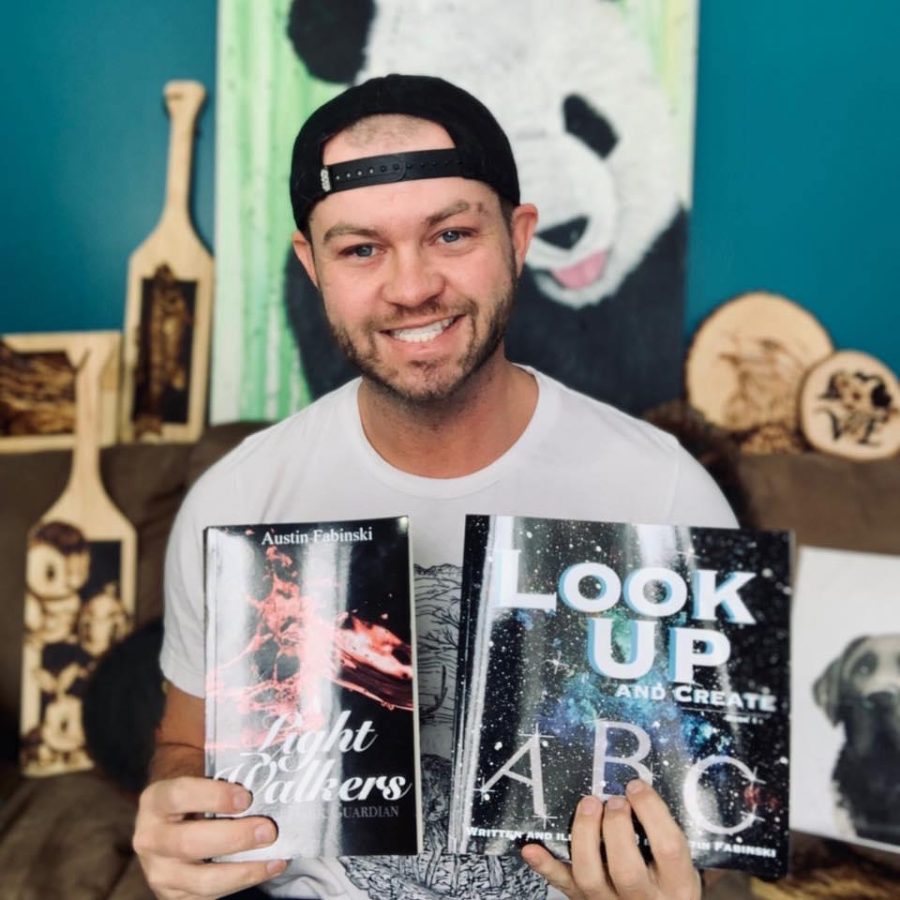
x=747 y=361
x=850 y=406
x=162 y=384
x=74 y=611
x=79 y=586
x=168 y=309
x=38 y=389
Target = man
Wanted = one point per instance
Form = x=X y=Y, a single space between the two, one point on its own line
x=405 y=194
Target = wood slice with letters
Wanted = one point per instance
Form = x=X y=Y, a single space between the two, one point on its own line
x=748 y=359
x=79 y=588
x=850 y=407
x=169 y=302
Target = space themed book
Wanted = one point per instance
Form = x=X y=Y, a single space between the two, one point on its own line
x=593 y=653
x=310 y=683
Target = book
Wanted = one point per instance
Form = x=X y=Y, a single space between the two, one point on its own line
x=310 y=685
x=846 y=697
x=593 y=653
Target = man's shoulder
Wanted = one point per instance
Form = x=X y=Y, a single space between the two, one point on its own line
x=656 y=479
x=595 y=421
x=288 y=443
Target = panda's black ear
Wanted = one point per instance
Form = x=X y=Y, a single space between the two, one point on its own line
x=330 y=36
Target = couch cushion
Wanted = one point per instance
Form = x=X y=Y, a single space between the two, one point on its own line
x=827 y=501
x=215 y=442
x=49 y=847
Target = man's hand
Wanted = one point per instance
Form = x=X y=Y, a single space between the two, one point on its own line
x=623 y=873
x=172 y=842
x=171 y=837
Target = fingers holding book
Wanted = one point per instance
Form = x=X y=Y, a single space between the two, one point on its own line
x=672 y=863
x=670 y=874
x=619 y=870
x=175 y=841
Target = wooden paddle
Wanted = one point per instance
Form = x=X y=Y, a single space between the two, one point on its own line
x=169 y=301
x=80 y=586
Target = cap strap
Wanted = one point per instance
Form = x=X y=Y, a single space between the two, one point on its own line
x=390 y=167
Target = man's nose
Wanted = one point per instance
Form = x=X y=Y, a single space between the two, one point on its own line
x=411 y=279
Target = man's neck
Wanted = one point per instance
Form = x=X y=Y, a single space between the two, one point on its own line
x=457 y=437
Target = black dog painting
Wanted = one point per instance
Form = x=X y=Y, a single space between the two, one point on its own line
x=846 y=697
x=860 y=692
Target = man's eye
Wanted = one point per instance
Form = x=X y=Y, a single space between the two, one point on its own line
x=451 y=236
x=360 y=251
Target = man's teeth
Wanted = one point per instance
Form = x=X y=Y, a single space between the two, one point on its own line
x=425 y=333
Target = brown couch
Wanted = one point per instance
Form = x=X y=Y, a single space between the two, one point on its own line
x=69 y=836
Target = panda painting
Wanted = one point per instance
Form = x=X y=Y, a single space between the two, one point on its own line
x=600 y=303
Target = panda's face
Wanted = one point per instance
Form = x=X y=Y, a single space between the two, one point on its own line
x=564 y=164
x=582 y=107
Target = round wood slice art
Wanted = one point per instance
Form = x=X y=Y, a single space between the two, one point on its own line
x=850 y=406
x=747 y=361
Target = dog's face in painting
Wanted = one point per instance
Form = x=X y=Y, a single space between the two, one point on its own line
x=861 y=691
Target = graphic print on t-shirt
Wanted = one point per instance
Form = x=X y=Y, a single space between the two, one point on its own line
x=436 y=873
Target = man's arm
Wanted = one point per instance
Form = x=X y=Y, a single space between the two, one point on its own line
x=179 y=738
x=172 y=838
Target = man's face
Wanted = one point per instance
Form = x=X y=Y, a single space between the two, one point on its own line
x=418 y=277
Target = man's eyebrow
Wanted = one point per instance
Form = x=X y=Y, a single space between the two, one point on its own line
x=344 y=228
x=460 y=206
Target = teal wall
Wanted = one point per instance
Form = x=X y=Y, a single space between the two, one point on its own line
x=797 y=186
x=84 y=149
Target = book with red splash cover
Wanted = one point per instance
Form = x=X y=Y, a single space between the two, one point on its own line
x=310 y=683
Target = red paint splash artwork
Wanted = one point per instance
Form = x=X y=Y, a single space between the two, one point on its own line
x=299 y=649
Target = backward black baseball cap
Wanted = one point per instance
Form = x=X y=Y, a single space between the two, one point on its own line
x=481 y=152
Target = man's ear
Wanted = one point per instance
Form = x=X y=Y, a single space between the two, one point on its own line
x=522 y=225
x=304 y=251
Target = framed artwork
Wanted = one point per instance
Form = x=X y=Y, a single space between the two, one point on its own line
x=845 y=745
x=599 y=107
x=38 y=389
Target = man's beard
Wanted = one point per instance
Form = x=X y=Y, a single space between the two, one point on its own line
x=439 y=381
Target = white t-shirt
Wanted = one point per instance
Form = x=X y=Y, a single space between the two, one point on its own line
x=577 y=459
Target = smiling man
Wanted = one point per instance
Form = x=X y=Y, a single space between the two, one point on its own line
x=406 y=199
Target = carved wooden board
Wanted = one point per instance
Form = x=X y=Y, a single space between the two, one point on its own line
x=169 y=303
x=37 y=390
x=80 y=586
x=850 y=406
x=747 y=361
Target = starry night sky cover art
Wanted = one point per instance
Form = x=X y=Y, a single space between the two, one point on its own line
x=310 y=687
x=583 y=643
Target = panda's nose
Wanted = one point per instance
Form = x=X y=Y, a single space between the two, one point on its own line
x=567 y=234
